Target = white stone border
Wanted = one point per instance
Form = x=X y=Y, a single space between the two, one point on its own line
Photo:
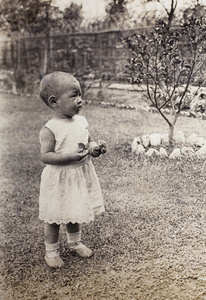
x=155 y=144
x=109 y=104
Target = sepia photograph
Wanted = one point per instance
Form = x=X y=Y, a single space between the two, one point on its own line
x=103 y=149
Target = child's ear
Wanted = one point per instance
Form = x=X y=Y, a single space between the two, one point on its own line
x=52 y=101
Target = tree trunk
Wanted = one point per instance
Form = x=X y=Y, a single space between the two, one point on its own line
x=45 y=60
x=171 y=129
x=19 y=68
x=171 y=134
x=18 y=54
x=100 y=61
x=47 y=53
x=50 y=53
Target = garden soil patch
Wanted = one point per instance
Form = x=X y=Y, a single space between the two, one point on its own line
x=150 y=242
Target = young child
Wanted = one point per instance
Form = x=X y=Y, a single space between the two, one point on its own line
x=69 y=192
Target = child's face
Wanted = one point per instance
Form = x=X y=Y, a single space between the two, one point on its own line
x=69 y=103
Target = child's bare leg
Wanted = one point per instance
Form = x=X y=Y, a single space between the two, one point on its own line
x=74 y=240
x=51 y=237
x=71 y=228
x=51 y=233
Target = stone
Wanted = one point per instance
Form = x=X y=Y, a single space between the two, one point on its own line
x=200 y=141
x=201 y=152
x=182 y=113
x=155 y=139
x=185 y=113
x=165 y=139
x=152 y=152
x=191 y=140
x=163 y=152
x=187 y=151
x=136 y=141
x=140 y=149
x=193 y=114
x=175 y=154
x=146 y=140
x=199 y=114
x=179 y=137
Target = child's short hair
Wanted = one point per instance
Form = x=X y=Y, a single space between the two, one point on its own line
x=52 y=84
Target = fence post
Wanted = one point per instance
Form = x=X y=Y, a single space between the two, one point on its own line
x=18 y=54
x=100 y=60
x=45 y=59
x=51 y=52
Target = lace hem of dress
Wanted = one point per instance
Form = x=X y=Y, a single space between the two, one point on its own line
x=72 y=220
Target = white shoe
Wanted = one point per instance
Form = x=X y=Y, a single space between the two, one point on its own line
x=82 y=250
x=53 y=259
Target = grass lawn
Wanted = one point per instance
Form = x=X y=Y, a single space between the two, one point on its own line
x=150 y=242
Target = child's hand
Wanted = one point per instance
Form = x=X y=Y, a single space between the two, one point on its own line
x=82 y=151
x=81 y=147
x=98 y=150
x=102 y=146
x=94 y=151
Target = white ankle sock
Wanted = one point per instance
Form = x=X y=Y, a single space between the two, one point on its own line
x=52 y=250
x=74 y=238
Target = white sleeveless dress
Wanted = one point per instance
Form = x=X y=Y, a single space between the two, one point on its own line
x=70 y=193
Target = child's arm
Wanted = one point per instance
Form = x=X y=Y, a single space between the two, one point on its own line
x=48 y=155
x=91 y=142
x=95 y=149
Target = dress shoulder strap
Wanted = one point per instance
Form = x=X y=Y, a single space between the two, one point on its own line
x=51 y=125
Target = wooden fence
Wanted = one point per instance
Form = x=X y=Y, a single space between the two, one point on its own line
x=97 y=55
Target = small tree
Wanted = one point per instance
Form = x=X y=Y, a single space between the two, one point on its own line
x=115 y=6
x=72 y=18
x=171 y=11
x=117 y=13
x=166 y=59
